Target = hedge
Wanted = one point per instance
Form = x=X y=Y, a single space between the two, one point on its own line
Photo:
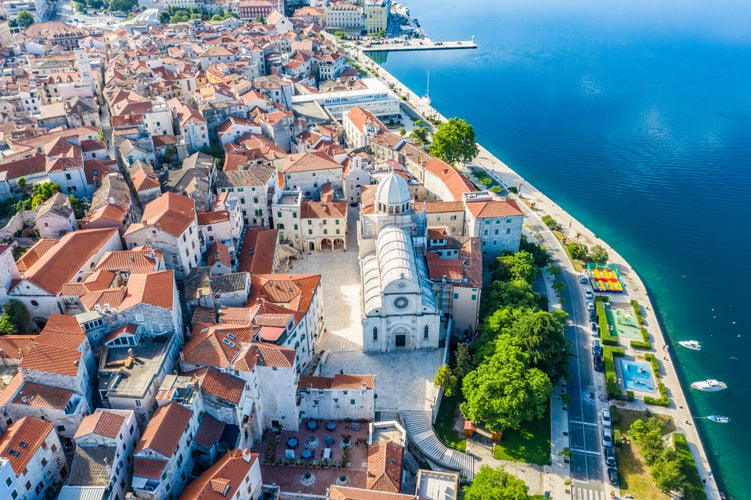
x=611 y=379
x=655 y=364
x=602 y=319
x=663 y=400
x=637 y=312
x=644 y=343
x=693 y=487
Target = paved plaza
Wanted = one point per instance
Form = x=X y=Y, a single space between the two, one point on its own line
x=404 y=380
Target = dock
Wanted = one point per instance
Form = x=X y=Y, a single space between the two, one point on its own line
x=418 y=44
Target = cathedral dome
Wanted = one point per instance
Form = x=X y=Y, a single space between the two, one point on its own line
x=392 y=195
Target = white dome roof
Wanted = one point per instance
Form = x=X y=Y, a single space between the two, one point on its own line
x=393 y=190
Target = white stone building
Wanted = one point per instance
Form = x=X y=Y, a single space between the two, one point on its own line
x=55 y=217
x=308 y=172
x=236 y=475
x=497 y=222
x=169 y=224
x=338 y=397
x=254 y=189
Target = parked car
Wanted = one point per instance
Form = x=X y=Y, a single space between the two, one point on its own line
x=605 y=418
x=607 y=438
x=583 y=279
x=588 y=294
x=594 y=328
x=590 y=305
x=592 y=315
x=609 y=456
x=613 y=475
x=599 y=365
x=596 y=347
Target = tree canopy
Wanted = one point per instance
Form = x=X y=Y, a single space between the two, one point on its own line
x=454 y=142
x=504 y=391
x=25 y=18
x=15 y=318
x=598 y=254
x=496 y=484
x=42 y=192
x=540 y=334
x=519 y=265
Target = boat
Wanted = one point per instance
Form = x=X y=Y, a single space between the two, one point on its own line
x=709 y=385
x=694 y=345
x=720 y=419
x=426 y=97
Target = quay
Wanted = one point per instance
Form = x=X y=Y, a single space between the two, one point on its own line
x=535 y=204
x=418 y=44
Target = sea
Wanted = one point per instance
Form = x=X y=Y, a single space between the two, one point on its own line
x=635 y=117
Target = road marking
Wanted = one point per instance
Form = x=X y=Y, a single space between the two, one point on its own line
x=582 y=423
x=586 y=452
x=578 y=493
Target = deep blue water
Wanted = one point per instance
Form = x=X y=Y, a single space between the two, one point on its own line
x=635 y=116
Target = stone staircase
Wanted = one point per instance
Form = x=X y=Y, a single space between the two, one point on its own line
x=419 y=428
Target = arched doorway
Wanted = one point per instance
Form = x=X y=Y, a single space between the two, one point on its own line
x=326 y=244
x=339 y=244
x=311 y=246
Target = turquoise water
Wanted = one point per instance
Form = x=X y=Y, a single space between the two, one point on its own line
x=637 y=376
x=653 y=100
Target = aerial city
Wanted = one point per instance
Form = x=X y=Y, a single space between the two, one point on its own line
x=258 y=249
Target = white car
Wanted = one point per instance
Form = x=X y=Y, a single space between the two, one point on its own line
x=583 y=279
x=590 y=305
x=607 y=438
x=605 y=418
x=588 y=294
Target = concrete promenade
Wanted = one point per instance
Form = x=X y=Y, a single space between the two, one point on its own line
x=421 y=44
x=634 y=287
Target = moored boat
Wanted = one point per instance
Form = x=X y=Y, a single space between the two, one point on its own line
x=720 y=419
x=694 y=345
x=709 y=385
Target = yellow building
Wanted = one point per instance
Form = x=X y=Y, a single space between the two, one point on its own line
x=376 y=14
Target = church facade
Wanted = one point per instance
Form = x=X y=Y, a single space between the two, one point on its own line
x=398 y=304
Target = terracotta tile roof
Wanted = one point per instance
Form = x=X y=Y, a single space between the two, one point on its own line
x=255 y=175
x=291 y=291
x=145 y=179
x=43 y=396
x=498 y=208
x=30 y=431
x=139 y=261
x=63 y=261
x=51 y=359
x=9 y=392
x=15 y=346
x=105 y=216
x=223 y=479
x=156 y=289
x=148 y=468
x=348 y=493
x=323 y=210
x=240 y=316
x=35 y=253
x=258 y=249
x=203 y=315
x=218 y=252
x=215 y=345
x=164 y=430
x=385 y=466
x=263 y=354
x=338 y=382
x=362 y=117
x=454 y=181
x=171 y=212
x=126 y=329
x=103 y=423
x=219 y=384
x=309 y=162
x=206 y=218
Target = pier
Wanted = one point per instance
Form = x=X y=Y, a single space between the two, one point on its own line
x=417 y=44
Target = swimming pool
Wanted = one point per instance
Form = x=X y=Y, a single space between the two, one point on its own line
x=637 y=376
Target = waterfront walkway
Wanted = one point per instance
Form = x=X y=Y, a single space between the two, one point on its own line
x=558 y=474
x=418 y=44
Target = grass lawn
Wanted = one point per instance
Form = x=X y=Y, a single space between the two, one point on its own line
x=530 y=444
x=633 y=474
x=694 y=489
x=444 y=424
x=579 y=266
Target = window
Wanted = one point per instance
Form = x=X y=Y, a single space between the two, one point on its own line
x=310 y=222
x=453 y=217
x=456 y=296
x=295 y=227
x=337 y=222
x=139 y=317
x=9 y=481
x=310 y=231
x=426 y=333
x=138 y=403
x=375 y=333
x=325 y=231
x=487 y=221
x=53 y=448
x=242 y=201
x=508 y=221
x=508 y=231
x=209 y=228
x=351 y=401
x=474 y=297
x=68 y=177
x=44 y=462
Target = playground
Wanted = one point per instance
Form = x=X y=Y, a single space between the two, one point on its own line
x=624 y=323
x=605 y=278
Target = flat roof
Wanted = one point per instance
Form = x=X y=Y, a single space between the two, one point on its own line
x=132 y=382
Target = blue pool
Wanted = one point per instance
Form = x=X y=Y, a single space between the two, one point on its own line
x=637 y=376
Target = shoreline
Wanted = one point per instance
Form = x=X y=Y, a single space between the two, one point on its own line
x=635 y=289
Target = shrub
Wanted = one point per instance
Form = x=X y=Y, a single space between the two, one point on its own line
x=495 y=189
x=551 y=223
x=629 y=395
x=512 y=189
x=617 y=439
x=611 y=380
x=637 y=311
x=602 y=320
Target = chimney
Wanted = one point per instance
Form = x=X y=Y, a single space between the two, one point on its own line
x=246 y=455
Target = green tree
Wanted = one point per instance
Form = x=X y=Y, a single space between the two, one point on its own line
x=464 y=363
x=340 y=34
x=402 y=131
x=556 y=271
x=577 y=250
x=541 y=254
x=598 y=254
x=559 y=287
x=42 y=192
x=454 y=142
x=15 y=317
x=6 y=326
x=496 y=484
x=540 y=334
x=419 y=135
x=648 y=436
x=25 y=18
x=80 y=207
x=447 y=380
x=667 y=472
x=122 y=5
x=517 y=293
x=515 y=266
x=503 y=391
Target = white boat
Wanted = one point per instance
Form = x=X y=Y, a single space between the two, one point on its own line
x=709 y=385
x=720 y=419
x=694 y=345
